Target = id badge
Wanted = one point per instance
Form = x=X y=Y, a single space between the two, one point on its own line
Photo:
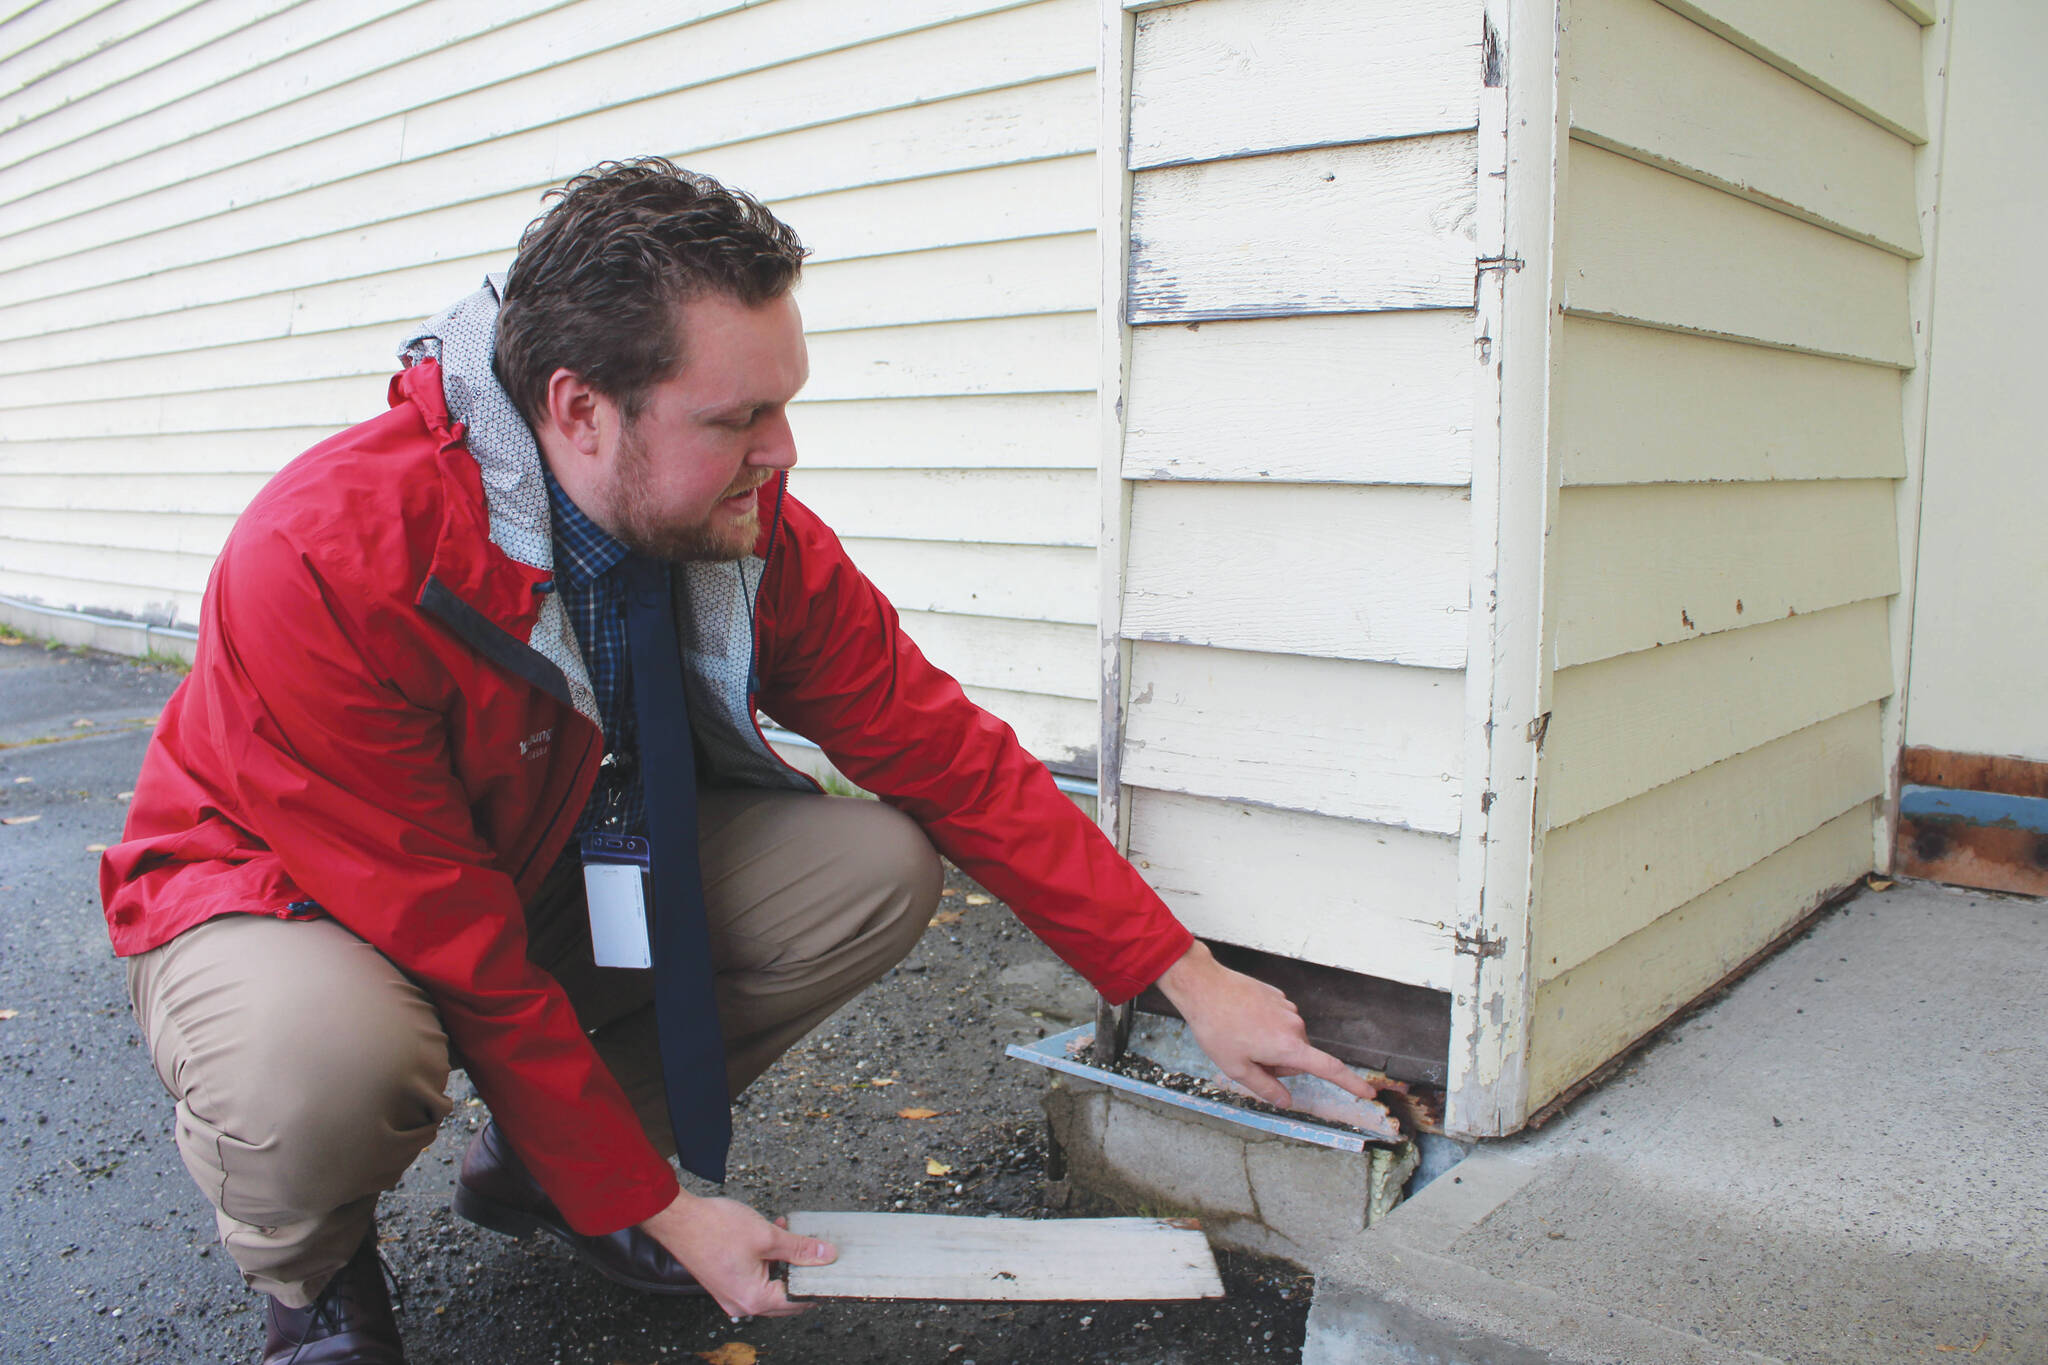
x=616 y=876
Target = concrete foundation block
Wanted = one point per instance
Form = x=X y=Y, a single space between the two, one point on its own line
x=1253 y=1191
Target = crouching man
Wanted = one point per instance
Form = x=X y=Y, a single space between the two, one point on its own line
x=467 y=774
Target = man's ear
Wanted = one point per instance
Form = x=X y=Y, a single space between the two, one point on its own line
x=576 y=413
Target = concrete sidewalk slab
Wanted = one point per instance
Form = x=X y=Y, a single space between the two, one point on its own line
x=1840 y=1161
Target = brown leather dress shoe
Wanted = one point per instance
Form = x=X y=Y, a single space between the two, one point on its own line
x=349 y=1324
x=494 y=1191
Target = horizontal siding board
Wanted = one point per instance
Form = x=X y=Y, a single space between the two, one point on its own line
x=1625 y=725
x=1040 y=119
x=1644 y=565
x=1587 y=1015
x=1357 y=741
x=1021 y=582
x=325 y=355
x=225 y=452
x=984 y=204
x=1612 y=873
x=987 y=431
x=1051 y=353
x=1239 y=77
x=1059 y=731
x=1046 y=658
x=1366 y=898
x=1647 y=82
x=141 y=599
x=990 y=280
x=294 y=404
x=74 y=44
x=1641 y=244
x=1340 y=572
x=1864 y=53
x=94 y=534
x=179 y=493
x=1642 y=405
x=1333 y=230
x=709 y=79
x=1000 y=506
x=1352 y=398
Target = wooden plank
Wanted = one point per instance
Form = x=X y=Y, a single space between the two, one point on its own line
x=1353 y=398
x=1359 y=741
x=1049 y=353
x=1059 y=731
x=1240 y=77
x=1341 y=572
x=1047 y=657
x=985 y=280
x=1655 y=86
x=934 y=1256
x=1644 y=565
x=109 y=533
x=1039 y=119
x=1860 y=52
x=1624 y=725
x=710 y=79
x=1610 y=874
x=984 y=506
x=109 y=49
x=1364 y=897
x=1334 y=230
x=2008 y=776
x=336 y=403
x=322 y=355
x=982 y=204
x=231 y=452
x=1022 y=582
x=1642 y=245
x=77 y=42
x=1989 y=857
x=73 y=592
x=162 y=491
x=1585 y=1016
x=125 y=577
x=1919 y=11
x=1641 y=405
x=982 y=431
x=30 y=24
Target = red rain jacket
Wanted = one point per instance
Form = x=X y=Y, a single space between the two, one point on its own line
x=366 y=733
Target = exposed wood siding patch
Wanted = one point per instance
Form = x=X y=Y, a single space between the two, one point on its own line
x=1357 y=398
x=1354 y=740
x=1608 y=875
x=1368 y=898
x=1656 y=86
x=1644 y=245
x=1625 y=725
x=1226 y=78
x=989 y=506
x=1640 y=405
x=1655 y=564
x=1344 y=572
x=1337 y=230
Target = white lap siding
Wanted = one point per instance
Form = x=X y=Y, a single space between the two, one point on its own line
x=217 y=218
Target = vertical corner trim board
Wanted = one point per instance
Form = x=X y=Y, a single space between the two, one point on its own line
x=1977 y=820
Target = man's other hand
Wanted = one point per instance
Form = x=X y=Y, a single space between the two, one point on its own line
x=1250 y=1029
x=729 y=1248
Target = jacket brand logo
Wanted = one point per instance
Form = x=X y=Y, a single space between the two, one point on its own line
x=535 y=746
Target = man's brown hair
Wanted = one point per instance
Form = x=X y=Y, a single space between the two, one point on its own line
x=600 y=274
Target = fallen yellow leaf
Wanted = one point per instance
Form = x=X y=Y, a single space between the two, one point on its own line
x=917 y=1113
x=947 y=917
x=95 y=848
x=934 y=1166
x=978 y=899
x=1879 y=884
x=732 y=1353
x=8 y=1014
x=882 y=1080
x=19 y=819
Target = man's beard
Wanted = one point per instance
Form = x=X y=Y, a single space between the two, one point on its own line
x=640 y=527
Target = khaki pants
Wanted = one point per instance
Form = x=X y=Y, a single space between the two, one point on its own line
x=309 y=1071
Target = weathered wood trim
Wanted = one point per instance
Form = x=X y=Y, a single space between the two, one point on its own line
x=1115 y=42
x=1524 y=116
x=2008 y=776
x=1915 y=390
x=1227 y=78
x=1995 y=850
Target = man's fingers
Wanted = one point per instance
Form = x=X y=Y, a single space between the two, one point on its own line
x=1319 y=1063
x=801 y=1250
x=1264 y=1084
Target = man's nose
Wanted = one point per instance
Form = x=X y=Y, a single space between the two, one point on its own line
x=776 y=446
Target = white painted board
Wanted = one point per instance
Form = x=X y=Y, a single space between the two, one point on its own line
x=950 y=1259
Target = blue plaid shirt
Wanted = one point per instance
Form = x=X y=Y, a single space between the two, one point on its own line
x=593 y=592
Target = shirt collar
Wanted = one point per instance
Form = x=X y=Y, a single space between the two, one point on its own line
x=584 y=551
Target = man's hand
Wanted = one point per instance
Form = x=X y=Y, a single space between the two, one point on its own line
x=729 y=1248
x=1250 y=1029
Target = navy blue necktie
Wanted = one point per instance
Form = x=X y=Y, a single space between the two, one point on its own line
x=685 y=1009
